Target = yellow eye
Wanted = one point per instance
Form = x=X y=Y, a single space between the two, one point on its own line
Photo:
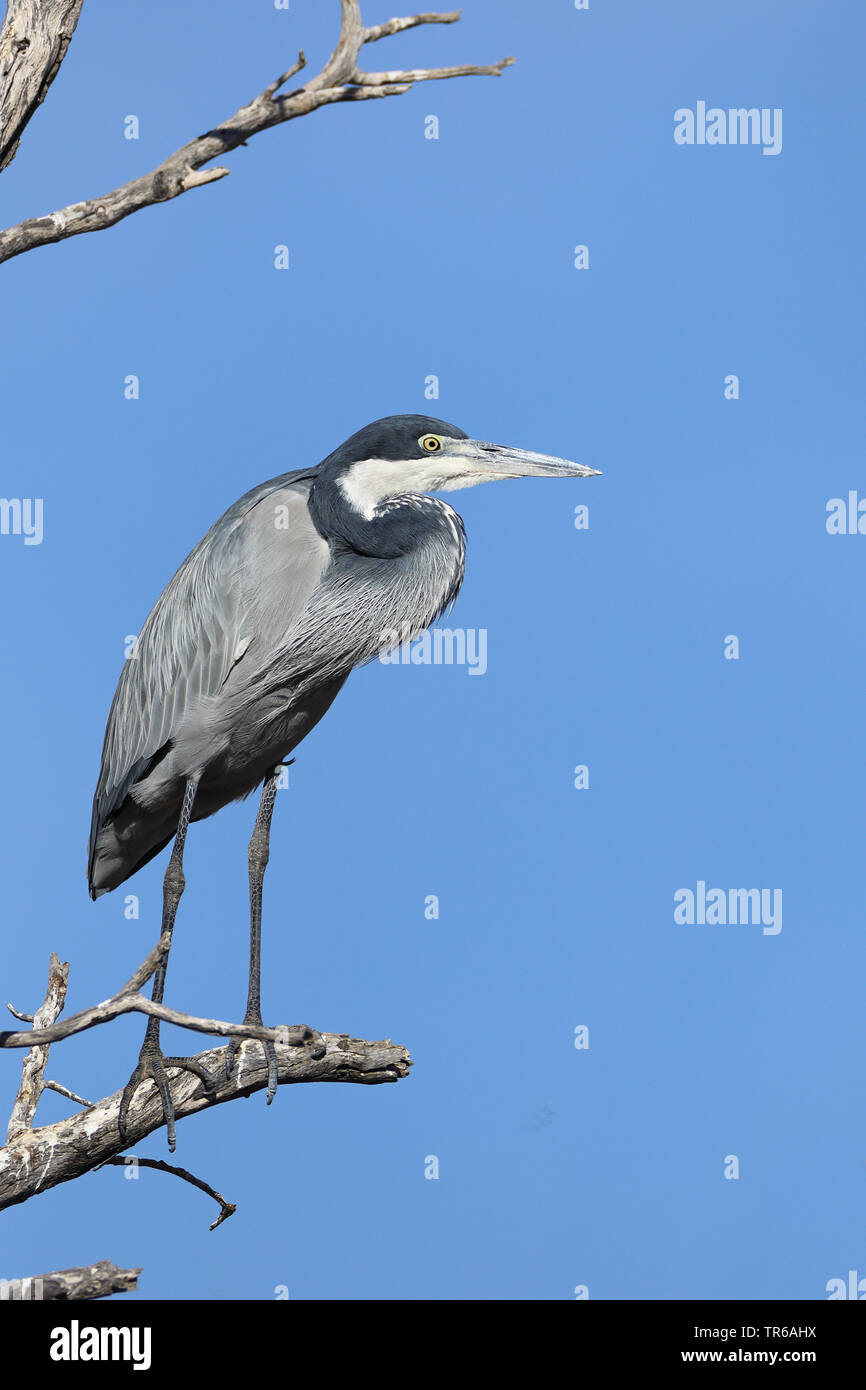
x=430 y=443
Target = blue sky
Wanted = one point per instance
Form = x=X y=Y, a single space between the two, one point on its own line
x=558 y=1167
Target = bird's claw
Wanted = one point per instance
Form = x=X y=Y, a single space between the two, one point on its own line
x=151 y=1066
x=234 y=1046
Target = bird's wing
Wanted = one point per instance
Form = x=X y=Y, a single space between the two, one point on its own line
x=200 y=627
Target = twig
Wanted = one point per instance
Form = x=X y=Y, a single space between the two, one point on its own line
x=70 y=1095
x=411 y=75
x=227 y=1209
x=33 y=1067
x=339 y=80
x=141 y=976
x=16 y=1013
x=396 y=26
x=290 y=72
x=64 y=1285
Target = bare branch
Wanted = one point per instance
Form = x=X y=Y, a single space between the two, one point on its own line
x=33 y=44
x=65 y=1285
x=396 y=26
x=33 y=1068
x=42 y=1158
x=126 y=1000
x=341 y=64
x=148 y=965
x=339 y=80
x=289 y=73
x=16 y=1013
x=227 y=1209
x=410 y=75
x=70 y=1095
x=288 y=1034
x=34 y=1160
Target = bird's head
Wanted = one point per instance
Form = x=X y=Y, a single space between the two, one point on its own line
x=411 y=454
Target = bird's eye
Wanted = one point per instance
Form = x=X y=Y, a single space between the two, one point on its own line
x=430 y=443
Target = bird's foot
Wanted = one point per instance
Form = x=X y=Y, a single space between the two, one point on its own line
x=152 y=1064
x=235 y=1044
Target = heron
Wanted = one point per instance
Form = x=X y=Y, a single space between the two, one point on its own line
x=304 y=578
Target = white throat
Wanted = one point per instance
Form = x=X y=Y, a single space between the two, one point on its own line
x=370 y=483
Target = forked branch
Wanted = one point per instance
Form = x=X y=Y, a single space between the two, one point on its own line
x=37 y=1159
x=339 y=80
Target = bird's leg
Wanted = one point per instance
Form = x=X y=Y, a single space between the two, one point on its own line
x=152 y=1062
x=258 y=854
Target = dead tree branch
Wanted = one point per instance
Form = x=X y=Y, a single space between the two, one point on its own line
x=33 y=1070
x=16 y=1013
x=127 y=1000
x=35 y=1160
x=68 y=1285
x=286 y=1033
x=69 y=1095
x=38 y=1159
x=339 y=80
x=33 y=44
x=227 y=1209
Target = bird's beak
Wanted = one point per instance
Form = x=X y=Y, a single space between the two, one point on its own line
x=504 y=462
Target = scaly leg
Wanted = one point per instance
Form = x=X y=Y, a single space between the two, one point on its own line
x=258 y=854
x=152 y=1062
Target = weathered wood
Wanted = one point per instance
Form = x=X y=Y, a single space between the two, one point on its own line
x=64 y=1285
x=33 y=1069
x=38 y=1159
x=33 y=44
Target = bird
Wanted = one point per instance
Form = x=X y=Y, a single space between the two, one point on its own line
x=304 y=578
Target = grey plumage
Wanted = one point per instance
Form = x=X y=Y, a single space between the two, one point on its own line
x=241 y=655
x=210 y=633
x=304 y=578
